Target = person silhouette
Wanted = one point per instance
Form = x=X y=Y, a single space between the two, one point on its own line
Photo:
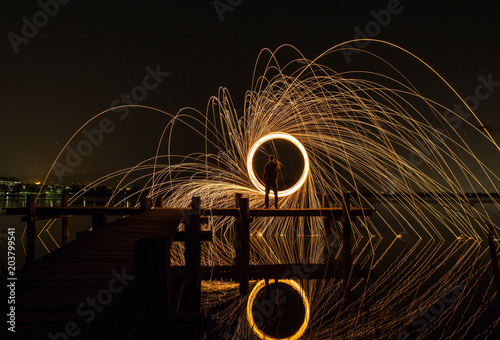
x=271 y=172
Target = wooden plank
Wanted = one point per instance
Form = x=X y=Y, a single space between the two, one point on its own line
x=71 y=210
x=55 y=315
x=301 y=271
x=27 y=295
x=174 y=212
x=64 y=281
x=322 y=212
x=51 y=288
x=75 y=272
x=181 y=236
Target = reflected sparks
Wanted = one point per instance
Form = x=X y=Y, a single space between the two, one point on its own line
x=271 y=308
x=369 y=132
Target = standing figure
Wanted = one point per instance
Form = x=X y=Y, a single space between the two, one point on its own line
x=271 y=172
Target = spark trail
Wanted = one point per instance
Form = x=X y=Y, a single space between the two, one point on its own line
x=361 y=131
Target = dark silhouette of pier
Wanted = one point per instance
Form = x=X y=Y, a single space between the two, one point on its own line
x=116 y=281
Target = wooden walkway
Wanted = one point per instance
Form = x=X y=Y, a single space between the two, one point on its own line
x=64 y=292
x=88 y=290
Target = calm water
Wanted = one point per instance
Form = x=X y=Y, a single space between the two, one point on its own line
x=402 y=267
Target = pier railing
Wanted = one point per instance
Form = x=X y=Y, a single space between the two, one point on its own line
x=31 y=213
x=192 y=236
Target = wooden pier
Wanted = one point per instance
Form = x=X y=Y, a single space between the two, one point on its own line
x=116 y=281
x=84 y=289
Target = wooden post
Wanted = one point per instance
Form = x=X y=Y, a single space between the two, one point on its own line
x=145 y=204
x=237 y=198
x=347 y=233
x=326 y=227
x=99 y=221
x=192 y=289
x=30 y=228
x=159 y=202
x=242 y=244
x=153 y=275
x=65 y=219
x=494 y=260
x=326 y=219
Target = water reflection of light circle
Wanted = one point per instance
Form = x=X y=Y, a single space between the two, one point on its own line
x=294 y=141
x=251 y=298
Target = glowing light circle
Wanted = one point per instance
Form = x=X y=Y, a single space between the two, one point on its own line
x=253 y=295
x=277 y=135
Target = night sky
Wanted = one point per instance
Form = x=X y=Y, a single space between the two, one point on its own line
x=86 y=54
